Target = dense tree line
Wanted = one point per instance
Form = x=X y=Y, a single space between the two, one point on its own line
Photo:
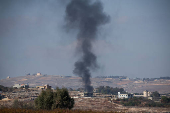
x=109 y=90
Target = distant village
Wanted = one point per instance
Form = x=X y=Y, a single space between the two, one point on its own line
x=23 y=92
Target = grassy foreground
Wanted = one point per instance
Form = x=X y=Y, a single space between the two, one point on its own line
x=12 y=110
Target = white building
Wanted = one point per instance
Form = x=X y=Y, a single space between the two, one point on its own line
x=146 y=93
x=16 y=86
x=38 y=74
x=121 y=96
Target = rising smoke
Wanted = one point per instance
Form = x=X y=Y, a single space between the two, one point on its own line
x=86 y=17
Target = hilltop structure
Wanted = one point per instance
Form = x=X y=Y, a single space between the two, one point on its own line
x=39 y=74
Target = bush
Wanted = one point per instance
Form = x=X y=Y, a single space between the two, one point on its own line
x=52 y=100
x=19 y=104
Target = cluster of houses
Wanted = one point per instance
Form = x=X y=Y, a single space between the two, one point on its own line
x=22 y=94
x=146 y=94
x=47 y=86
x=79 y=94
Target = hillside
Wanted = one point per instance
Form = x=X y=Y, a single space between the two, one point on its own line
x=131 y=86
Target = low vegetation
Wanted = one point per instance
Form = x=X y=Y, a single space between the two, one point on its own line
x=12 y=110
x=22 y=105
x=141 y=102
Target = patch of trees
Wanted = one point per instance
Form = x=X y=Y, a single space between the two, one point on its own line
x=131 y=102
x=155 y=94
x=109 y=90
x=141 y=102
x=5 y=89
x=165 y=100
x=52 y=100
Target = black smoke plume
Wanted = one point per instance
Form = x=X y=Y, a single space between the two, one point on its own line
x=86 y=17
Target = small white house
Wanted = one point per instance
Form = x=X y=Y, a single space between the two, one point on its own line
x=121 y=96
x=16 y=86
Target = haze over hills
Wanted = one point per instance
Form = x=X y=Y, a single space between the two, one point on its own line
x=135 y=43
x=162 y=85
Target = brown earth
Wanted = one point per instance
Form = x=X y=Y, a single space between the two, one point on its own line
x=103 y=104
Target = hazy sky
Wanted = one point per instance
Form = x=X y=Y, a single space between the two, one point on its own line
x=135 y=43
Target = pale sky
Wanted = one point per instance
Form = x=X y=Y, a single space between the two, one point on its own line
x=135 y=43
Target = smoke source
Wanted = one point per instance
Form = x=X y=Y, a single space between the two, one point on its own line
x=86 y=17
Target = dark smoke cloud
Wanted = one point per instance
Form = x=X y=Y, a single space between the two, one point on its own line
x=86 y=17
